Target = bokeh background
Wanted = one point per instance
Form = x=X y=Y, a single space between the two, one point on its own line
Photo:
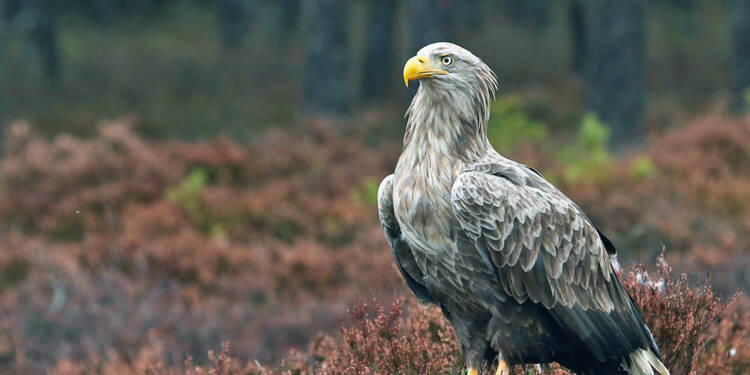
x=176 y=174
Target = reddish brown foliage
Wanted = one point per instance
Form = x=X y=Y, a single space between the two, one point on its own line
x=696 y=332
x=121 y=255
x=694 y=329
x=711 y=159
x=389 y=344
x=684 y=321
x=100 y=260
x=68 y=185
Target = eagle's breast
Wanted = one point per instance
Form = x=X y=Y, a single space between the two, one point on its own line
x=422 y=190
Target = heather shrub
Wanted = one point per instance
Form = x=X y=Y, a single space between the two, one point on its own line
x=67 y=185
x=124 y=255
x=179 y=246
x=696 y=332
x=389 y=344
x=711 y=160
x=685 y=322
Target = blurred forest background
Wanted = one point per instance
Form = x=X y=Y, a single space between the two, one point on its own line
x=180 y=173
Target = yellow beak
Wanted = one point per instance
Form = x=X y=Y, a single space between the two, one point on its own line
x=417 y=67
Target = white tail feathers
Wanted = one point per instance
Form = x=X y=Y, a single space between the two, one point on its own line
x=643 y=362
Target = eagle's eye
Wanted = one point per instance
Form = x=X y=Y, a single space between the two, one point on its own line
x=446 y=60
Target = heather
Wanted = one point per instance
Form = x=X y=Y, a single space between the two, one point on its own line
x=129 y=255
x=114 y=244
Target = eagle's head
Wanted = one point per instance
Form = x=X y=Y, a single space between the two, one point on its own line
x=455 y=87
x=445 y=66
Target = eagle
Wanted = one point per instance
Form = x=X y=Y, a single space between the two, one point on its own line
x=516 y=267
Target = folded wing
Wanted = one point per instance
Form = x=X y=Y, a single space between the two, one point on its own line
x=544 y=250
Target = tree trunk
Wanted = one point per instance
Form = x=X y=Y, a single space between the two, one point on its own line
x=325 y=72
x=3 y=44
x=44 y=34
x=379 y=51
x=740 y=56
x=613 y=70
x=577 y=29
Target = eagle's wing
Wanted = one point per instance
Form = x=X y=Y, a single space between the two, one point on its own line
x=399 y=248
x=544 y=250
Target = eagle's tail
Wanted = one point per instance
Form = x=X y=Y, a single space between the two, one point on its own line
x=643 y=362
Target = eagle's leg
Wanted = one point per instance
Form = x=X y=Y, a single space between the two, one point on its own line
x=474 y=345
x=475 y=360
x=502 y=367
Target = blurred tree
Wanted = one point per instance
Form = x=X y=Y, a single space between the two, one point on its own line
x=378 y=50
x=577 y=29
x=41 y=16
x=10 y=8
x=614 y=65
x=102 y=11
x=3 y=43
x=740 y=56
x=288 y=16
x=468 y=14
x=431 y=22
x=146 y=7
x=38 y=19
x=325 y=73
x=234 y=21
x=528 y=12
x=682 y=15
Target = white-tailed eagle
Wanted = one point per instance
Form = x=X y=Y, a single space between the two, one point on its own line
x=516 y=267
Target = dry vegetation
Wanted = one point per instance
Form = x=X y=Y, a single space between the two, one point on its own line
x=123 y=255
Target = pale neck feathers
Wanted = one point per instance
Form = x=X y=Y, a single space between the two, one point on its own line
x=448 y=118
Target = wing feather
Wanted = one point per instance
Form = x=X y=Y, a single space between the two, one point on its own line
x=544 y=249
